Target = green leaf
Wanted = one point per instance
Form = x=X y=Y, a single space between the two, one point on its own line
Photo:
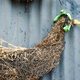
x=69 y=16
x=67 y=28
x=57 y=18
x=62 y=12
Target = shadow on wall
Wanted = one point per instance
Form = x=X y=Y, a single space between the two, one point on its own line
x=27 y=3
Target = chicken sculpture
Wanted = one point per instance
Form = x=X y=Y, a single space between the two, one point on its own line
x=33 y=63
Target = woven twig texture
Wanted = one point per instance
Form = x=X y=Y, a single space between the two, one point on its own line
x=32 y=63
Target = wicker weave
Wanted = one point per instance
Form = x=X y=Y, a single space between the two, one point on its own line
x=32 y=63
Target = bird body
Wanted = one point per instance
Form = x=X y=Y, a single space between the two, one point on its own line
x=32 y=63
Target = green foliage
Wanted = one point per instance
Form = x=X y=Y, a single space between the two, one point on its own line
x=67 y=28
x=63 y=13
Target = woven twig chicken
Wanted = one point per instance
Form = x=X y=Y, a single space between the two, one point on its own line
x=32 y=63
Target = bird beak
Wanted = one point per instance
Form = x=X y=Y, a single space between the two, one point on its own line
x=76 y=22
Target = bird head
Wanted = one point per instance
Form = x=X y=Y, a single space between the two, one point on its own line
x=69 y=21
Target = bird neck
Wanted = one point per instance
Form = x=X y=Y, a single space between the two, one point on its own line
x=55 y=36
